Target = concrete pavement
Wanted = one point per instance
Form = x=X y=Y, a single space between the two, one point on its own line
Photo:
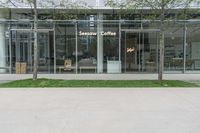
x=81 y=110
x=7 y=77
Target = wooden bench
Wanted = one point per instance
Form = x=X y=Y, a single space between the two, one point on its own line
x=88 y=68
x=60 y=68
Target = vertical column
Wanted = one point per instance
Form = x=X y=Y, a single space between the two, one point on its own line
x=30 y=60
x=54 y=46
x=10 y=42
x=76 y=30
x=139 y=54
x=184 y=47
x=125 y=61
x=157 y=50
x=2 y=46
x=99 y=44
x=120 y=44
x=120 y=38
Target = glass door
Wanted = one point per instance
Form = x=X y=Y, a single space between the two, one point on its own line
x=139 y=52
x=22 y=51
x=131 y=52
x=21 y=47
x=43 y=52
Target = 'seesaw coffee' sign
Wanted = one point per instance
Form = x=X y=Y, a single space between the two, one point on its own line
x=108 y=33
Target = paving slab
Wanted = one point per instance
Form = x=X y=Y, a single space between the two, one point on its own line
x=100 y=110
x=103 y=76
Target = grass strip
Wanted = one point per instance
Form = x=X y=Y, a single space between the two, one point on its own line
x=95 y=83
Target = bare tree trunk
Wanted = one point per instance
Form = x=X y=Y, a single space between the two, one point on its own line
x=35 y=66
x=161 y=62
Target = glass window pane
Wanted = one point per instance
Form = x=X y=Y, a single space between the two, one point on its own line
x=65 y=47
x=174 y=40
x=193 y=48
x=87 y=47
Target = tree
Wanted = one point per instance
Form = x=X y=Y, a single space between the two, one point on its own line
x=33 y=4
x=35 y=47
x=30 y=3
x=161 y=9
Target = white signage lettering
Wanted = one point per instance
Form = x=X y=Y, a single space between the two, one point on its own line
x=109 y=33
x=130 y=50
x=102 y=33
x=87 y=33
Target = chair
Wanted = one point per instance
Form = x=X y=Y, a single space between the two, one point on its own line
x=177 y=63
x=68 y=64
x=189 y=64
x=87 y=64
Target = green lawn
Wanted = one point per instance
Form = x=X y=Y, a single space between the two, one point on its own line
x=96 y=83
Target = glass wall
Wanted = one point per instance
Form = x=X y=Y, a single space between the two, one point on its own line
x=97 y=46
x=87 y=46
x=193 y=47
x=22 y=50
x=22 y=39
x=45 y=51
x=139 y=51
x=150 y=52
x=111 y=48
x=174 y=43
x=65 y=47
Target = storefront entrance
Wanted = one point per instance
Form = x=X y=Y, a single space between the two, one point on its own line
x=22 y=51
x=139 y=51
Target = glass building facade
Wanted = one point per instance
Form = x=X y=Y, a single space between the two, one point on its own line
x=97 y=42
